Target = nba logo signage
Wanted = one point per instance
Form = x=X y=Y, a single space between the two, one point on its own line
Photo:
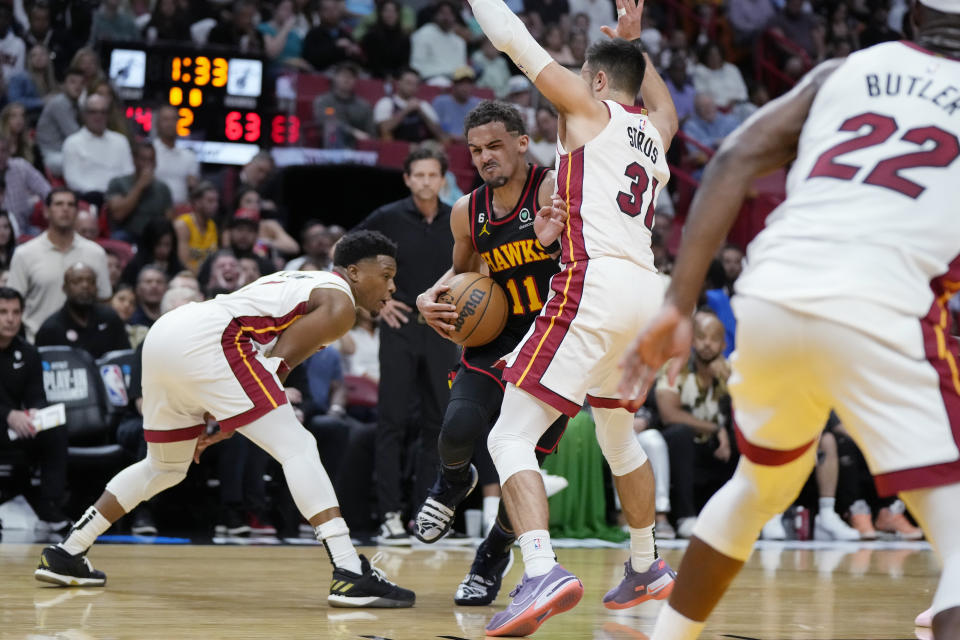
x=113 y=380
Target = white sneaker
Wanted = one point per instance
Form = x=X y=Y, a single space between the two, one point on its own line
x=685 y=527
x=553 y=484
x=830 y=526
x=392 y=531
x=774 y=530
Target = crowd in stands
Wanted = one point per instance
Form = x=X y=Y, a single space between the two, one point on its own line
x=102 y=230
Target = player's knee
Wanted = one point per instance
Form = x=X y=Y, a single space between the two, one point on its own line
x=166 y=474
x=622 y=452
x=463 y=421
x=511 y=452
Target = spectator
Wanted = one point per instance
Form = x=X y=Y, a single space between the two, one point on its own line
x=260 y=175
x=57 y=41
x=748 y=18
x=326 y=406
x=33 y=86
x=124 y=303
x=599 y=12
x=240 y=32
x=36 y=270
x=451 y=108
x=555 y=44
x=176 y=166
x=12 y=48
x=303 y=16
x=841 y=26
x=113 y=22
x=94 y=155
x=250 y=269
x=14 y=129
x=720 y=79
x=169 y=23
x=493 y=69
x=317 y=243
x=403 y=116
x=436 y=50
x=116 y=121
x=136 y=199
x=157 y=247
x=543 y=146
x=549 y=11
x=87 y=225
x=731 y=261
x=695 y=410
x=271 y=236
x=282 y=44
x=330 y=41
x=707 y=126
x=340 y=115
x=877 y=29
x=386 y=44
x=21 y=392
x=680 y=86
x=151 y=285
x=197 y=236
x=519 y=94
x=364 y=347
x=224 y=274
x=58 y=120
x=8 y=240
x=24 y=186
x=413 y=358
x=241 y=241
x=87 y=60
x=82 y=322
x=801 y=28
x=578 y=49
x=114 y=266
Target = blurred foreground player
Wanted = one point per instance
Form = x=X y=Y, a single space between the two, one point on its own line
x=228 y=358
x=611 y=166
x=843 y=303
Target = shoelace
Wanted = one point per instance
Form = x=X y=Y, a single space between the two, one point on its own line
x=86 y=561
x=516 y=590
x=475 y=586
x=377 y=572
x=434 y=513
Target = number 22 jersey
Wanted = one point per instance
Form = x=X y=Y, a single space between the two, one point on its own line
x=869 y=233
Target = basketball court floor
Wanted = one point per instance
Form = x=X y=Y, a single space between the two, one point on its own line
x=813 y=591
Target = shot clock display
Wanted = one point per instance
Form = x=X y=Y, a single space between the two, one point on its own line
x=219 y=98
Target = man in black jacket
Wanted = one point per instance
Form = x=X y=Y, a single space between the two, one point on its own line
x=21 y=392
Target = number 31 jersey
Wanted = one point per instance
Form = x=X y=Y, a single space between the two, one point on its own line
x=611 y=184
x=871 y=217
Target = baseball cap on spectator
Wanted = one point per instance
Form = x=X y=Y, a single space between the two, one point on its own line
x=464 y=73
x=517 y=84
x=245 y=216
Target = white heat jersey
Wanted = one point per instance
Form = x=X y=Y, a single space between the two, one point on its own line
x=270 y=304
x=610 y=185
x=869 y=233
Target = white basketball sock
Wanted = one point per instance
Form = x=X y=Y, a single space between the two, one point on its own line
x=335 y=536
x=672 y=625
x=826 y=504
x=491 y=505
x=643 y=548
x=85 y=532
x=538 y=556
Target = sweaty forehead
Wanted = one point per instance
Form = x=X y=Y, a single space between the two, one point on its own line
x=486 y=133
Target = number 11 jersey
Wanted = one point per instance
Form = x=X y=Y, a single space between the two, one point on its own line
x=869 y=233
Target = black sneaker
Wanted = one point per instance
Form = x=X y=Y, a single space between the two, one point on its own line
x=482 y=584
x=143 y=524
x=435 y=515
x=368 y=589
x=231 y=523
x=59 y=567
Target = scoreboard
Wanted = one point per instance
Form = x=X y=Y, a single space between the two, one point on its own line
x=221 y=99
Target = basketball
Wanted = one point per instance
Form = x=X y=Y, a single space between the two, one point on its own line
x=481 y=308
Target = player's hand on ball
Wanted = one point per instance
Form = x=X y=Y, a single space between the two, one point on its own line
x=550 y=221
x=394 y=313
x=667 y=336
x=438 y=314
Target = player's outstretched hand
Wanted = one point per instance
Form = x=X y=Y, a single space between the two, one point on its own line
x=629 y=16
x=394 y=313
x=550 y=221
x=667 y=336
x=438 y=315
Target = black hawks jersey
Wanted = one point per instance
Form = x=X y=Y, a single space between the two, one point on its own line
x=511 y=250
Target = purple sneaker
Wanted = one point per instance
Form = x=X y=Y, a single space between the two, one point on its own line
x=656 y=583
x=535 y=600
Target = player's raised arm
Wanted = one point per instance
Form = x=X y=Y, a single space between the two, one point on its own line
x=563 y=88
x=766 y=141
x=465 y=258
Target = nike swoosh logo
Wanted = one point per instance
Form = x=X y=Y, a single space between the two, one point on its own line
x=552 y=589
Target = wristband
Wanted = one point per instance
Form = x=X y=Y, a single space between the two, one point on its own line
x=552 y=248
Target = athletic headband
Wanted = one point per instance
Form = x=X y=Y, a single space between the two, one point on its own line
x=946 y=6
